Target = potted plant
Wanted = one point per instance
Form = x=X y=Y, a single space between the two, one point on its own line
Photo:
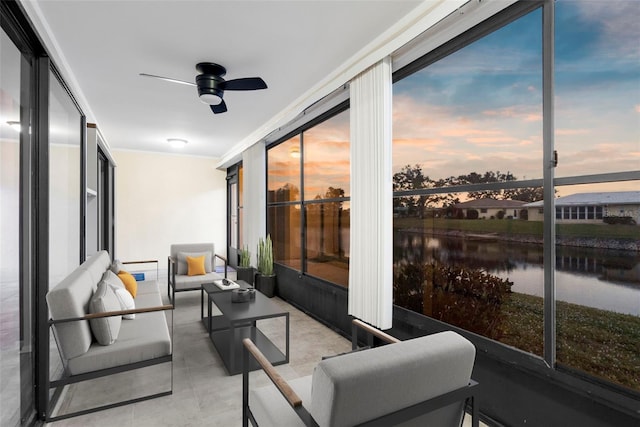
x=266 y=278
x=245 y=270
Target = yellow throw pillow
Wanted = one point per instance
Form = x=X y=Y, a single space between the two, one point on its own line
x=195 y=266
x=129 y=282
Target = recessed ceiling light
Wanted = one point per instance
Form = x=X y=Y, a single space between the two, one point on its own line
x=14 y=125
x=177 y=142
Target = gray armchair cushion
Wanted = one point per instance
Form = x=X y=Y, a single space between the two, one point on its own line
x=105 y=329
x=357 y=387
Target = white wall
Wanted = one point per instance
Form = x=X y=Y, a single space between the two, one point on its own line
x=165 y=198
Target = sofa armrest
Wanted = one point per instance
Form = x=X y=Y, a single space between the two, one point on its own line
x=111 y=314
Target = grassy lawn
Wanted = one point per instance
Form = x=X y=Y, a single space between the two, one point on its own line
x=599 y=342
x=518 y=227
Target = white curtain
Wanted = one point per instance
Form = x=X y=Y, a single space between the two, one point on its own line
x=371 y=245
x=254 y=221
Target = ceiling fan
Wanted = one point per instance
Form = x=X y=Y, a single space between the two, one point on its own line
x=211 y=85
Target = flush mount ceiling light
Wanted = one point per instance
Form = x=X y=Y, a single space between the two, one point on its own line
x=14 y=125
x=177 y=142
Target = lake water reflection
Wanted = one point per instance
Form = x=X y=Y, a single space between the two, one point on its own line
x=604 y=279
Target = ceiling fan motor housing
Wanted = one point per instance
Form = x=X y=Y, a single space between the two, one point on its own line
x=210 y=88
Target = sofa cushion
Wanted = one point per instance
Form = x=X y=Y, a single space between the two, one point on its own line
x=96 y=266
x=146 y=337
x=68 y=299
x=105 y=329
x=357 y=387
x=195 y=282
x=270 y=408
x=183 y=265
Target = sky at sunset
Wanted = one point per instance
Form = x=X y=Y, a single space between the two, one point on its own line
x=480 y=109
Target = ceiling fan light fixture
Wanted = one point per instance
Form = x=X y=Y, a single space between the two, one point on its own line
x=210 y=98
x=177 y=142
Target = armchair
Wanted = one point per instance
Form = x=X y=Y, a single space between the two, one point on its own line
x=422 y=381
x=177 y=278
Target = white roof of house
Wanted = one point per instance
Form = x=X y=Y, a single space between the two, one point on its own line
x=594 y=199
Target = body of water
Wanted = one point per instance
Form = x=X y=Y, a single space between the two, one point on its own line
x=599 y=278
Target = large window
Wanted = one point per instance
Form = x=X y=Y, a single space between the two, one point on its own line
x=472 y=120
x=597 y=137
x=470 y=236
x=310 y=228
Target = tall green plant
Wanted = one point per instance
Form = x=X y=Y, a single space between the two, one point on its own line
x=245 y=257
x=265 y=256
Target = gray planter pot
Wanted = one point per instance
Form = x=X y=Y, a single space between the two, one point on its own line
x=266 y=285
x=246 y=273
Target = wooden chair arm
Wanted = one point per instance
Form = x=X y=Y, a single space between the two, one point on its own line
x=221 y=257
x=112 y=313
x=141 y=262
x=171 y=259
x=374 y=331
x=281 y=384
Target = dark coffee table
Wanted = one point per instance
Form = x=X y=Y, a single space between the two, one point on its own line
x=215 y=322
x=238 y=321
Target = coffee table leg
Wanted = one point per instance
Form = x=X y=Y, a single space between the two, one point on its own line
x=209 y=302
x=232 y=348
x=201 y=302
x=286 y=356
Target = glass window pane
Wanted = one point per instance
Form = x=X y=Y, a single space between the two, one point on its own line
x=326 y=159
x=598 y=283
x=16 y=361
x=284 y=227
x=481 y=274
x=64 y=183
x=597 y=86
x=476 y=115
x=327 y=241
x=283 y=171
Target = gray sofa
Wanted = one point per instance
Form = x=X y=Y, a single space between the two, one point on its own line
x=419 y=382
x=177 y=278
x=98 y=342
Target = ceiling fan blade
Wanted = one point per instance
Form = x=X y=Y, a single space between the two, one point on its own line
x=167 y=79
x=248 y=83
x=220 y=108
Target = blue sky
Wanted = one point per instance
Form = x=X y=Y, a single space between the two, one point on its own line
x=481 y=108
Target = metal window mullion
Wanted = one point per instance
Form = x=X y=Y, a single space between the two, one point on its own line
x=40 y=235
x=303 y=210
x=549 y=229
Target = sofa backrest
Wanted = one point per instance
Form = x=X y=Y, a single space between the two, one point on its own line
x=70 y=298
x=191 y=248
x=358 y=387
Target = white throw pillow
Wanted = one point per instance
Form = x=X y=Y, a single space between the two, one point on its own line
x=126 y=302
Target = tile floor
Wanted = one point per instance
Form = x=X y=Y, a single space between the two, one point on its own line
x=203 y=393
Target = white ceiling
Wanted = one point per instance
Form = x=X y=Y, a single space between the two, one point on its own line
x=292 y=45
